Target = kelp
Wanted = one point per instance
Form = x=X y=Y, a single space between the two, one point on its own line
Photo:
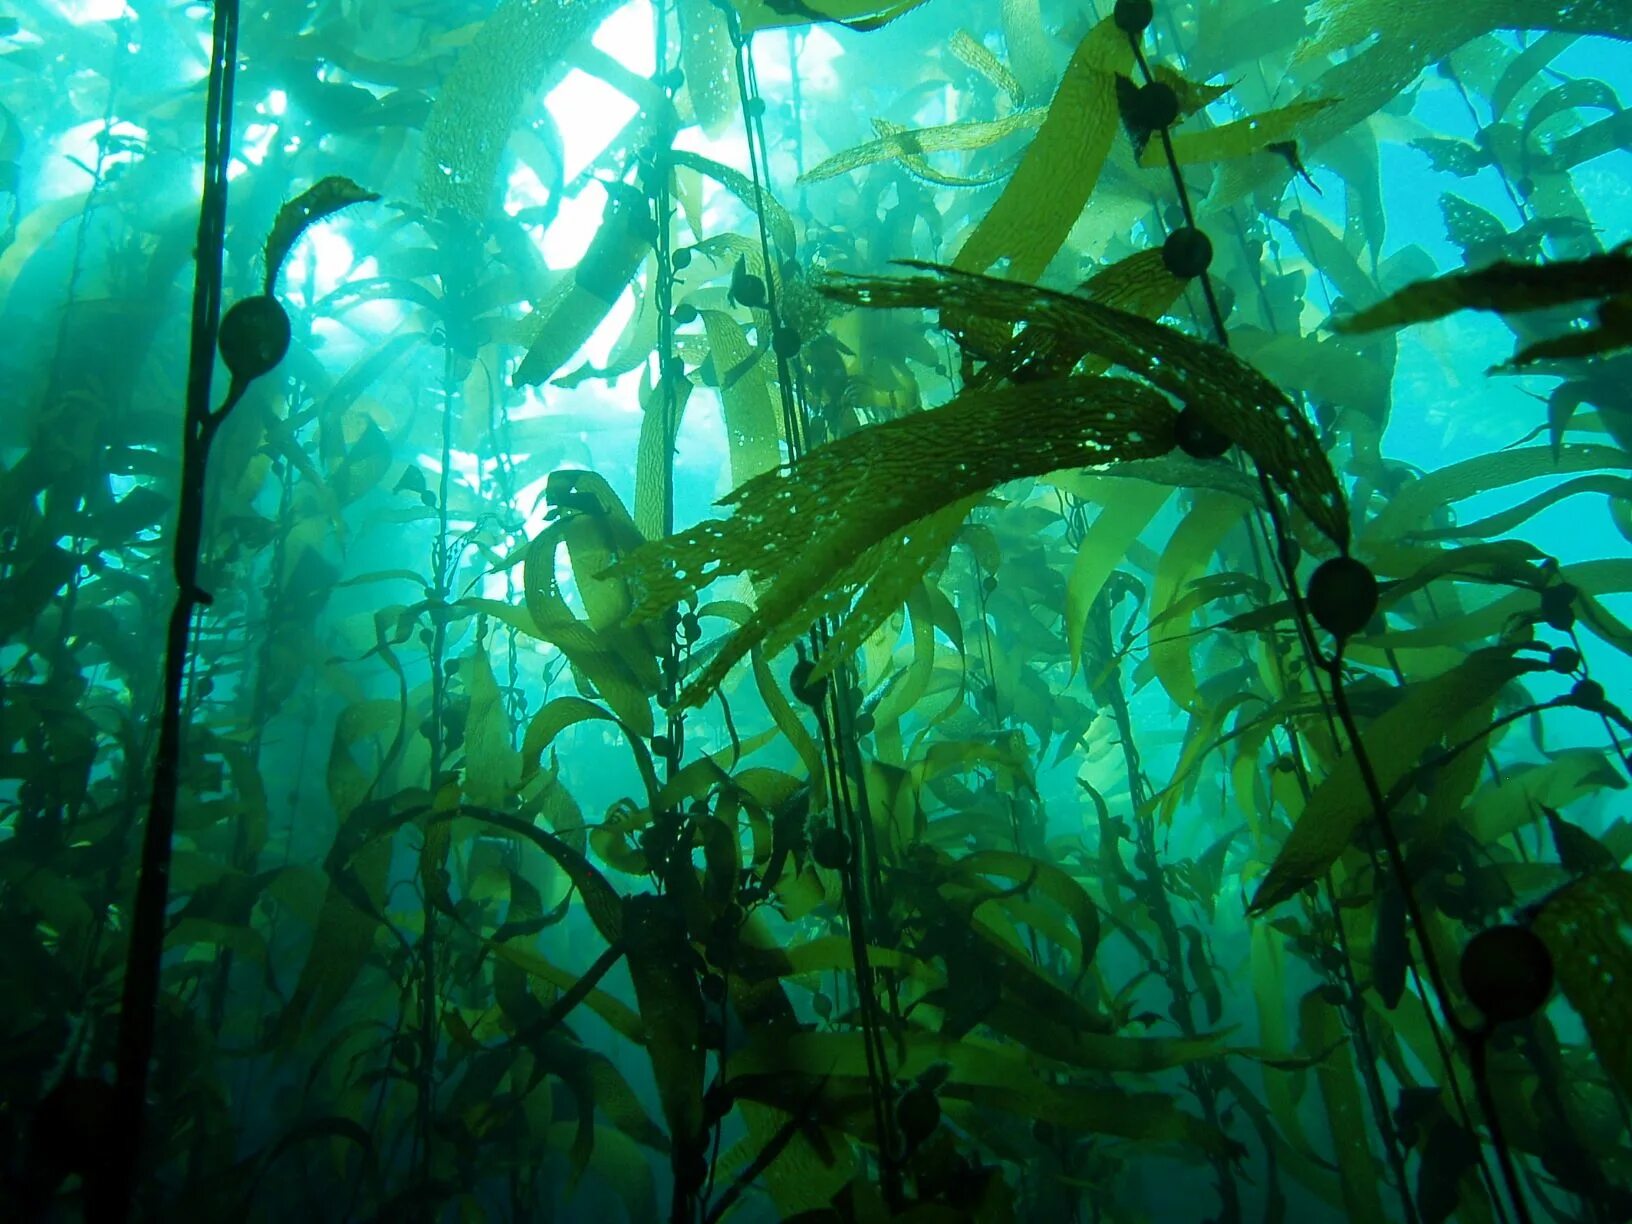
x=1027 y=46
x=471 y=119
x=978 y=1071
x=1502 y=287
x=1340 y=1093
x=1412 y=504
x=751 y=427
x=1229 y=395
x=916 y=164
x=1585 y=926
x=818 y=522
x=1187 y=556
x=1238 y=138
x=944 y=933
x=1119 y=523
x=710 y=59
x=322 y=199
x=1046 y=194
x=1139 y=284
x=964 y=46
x=778 y=220
x=595 y=528
x=899 y=142
x=574 y=308
x=1339 y=806
x=757 y=15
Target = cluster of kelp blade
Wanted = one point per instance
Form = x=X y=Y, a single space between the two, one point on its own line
x=1080 y=772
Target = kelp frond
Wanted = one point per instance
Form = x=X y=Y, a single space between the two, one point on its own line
x=1226 y=393
x=473 y=114
x=871 y=512
x=1512 y=288
x=1504 y=287
x=322 y=199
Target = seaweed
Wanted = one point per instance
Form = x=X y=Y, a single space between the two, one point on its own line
x=819 y=611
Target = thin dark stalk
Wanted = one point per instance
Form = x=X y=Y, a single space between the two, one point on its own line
x=443 y=563
x=113 y=1199
x=1152 y=891
x=1334 y=668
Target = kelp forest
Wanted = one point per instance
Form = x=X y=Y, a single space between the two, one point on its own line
x=816 y=610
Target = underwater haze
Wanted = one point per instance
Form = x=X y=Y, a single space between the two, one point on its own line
x=816 y=610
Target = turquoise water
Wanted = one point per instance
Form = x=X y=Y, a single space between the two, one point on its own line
x=510 y=861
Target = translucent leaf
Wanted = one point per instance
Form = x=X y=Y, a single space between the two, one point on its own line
x=491 y=765
x=575 y=307
x=710 y=63
x=323 y=198
x=860 y=15
x=1028 y=46
x=494 y=76
x=777 y=218
x=1587 y=926
x=1239 y=138
x=1193 y=95
x=563 y=712
x=1505 y=521
x=917 y=164
x=1104 y=546
x=1498 y=469
x=1394 y=742
x=1501 y=809
x=1282 y=1090
x=787 y=722
x=632 y=350
x=1524 y=68
x=618 y=661
x=904 y=142
x=348 y=782
x=805 y=527
x=1504 y=287
x=1186 y=557
x=751 y=428
x=965 y=47
x=1402 y=37
x=602 y=902
x=890 y=571
x=1605 y=136
x=1345 y=1110
x=1044 y=199
x=1581 y=93
x=664 y=410
x=1227 y=393
x=1139 y=284
x=619 y=1016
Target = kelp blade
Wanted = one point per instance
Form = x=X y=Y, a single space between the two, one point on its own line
x=798 y=530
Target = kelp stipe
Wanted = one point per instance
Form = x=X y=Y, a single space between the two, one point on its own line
x=252 y=337
x=112 y=1193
